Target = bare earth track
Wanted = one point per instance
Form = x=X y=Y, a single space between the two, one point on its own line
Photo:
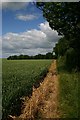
x=44 y=100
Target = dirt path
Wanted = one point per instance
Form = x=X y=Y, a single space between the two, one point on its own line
x=44 y=100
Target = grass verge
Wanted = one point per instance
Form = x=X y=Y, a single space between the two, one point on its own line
x=69 y=91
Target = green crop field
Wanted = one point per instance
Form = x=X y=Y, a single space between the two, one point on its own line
x=19 y=76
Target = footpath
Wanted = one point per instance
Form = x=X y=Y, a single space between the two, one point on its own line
x=44 y=100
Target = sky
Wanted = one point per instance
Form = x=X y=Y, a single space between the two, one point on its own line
x=25 y=31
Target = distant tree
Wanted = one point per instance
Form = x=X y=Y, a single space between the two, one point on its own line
x=39 y=56
x=15 y=57
x=49 y=55
x=9 y=58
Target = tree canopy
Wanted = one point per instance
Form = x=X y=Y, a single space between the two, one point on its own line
x=65 y=18
x=62 y=16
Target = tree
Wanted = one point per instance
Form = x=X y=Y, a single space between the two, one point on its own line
x=71 y=58
x=49 y=55
x=65 y=18
x=61 y=47
x=62 y=16
x=39 y=56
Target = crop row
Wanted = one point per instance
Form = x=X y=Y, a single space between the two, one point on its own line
x=19 y=76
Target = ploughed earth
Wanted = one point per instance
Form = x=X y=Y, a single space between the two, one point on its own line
x=44 y=100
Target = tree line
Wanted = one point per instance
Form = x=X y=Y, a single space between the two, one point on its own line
x=64 y=17
x=48 y=55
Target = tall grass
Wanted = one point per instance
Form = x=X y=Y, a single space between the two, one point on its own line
x=69 y=91
x=19 y=76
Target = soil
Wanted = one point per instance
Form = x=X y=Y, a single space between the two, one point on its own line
x=44 y=100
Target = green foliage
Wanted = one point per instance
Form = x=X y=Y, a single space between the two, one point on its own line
x=19 y=76
x=39 y=56
x=61 y=47
x=62 y=16
x=70 y=58
x=65 y=18
x=49 y=55
x=69 y=91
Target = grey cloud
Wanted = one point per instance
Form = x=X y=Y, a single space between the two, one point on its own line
x=52 y=35
x=30 y=42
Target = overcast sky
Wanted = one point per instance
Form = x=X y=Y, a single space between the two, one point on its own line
x=25 y=31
